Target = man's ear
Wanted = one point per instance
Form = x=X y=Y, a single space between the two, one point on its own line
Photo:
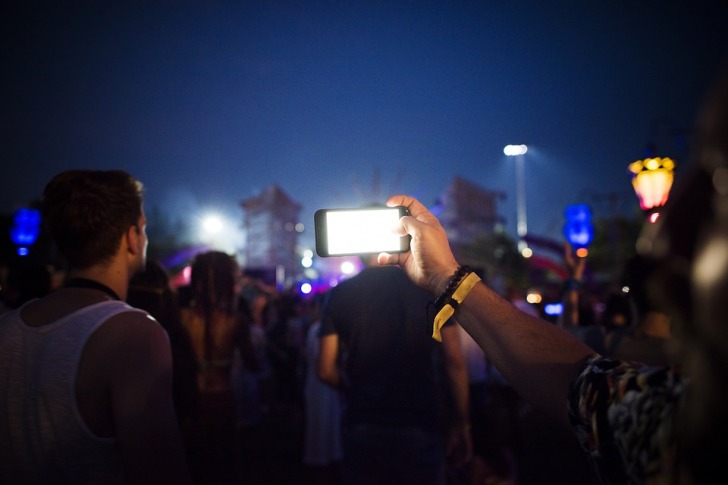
x=132 y=240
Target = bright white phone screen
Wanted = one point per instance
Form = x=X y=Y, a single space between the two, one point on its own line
x=363 y=231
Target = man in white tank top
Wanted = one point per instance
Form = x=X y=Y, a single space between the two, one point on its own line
x=86 y=380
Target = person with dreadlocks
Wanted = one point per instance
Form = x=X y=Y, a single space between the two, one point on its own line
x=216 y=329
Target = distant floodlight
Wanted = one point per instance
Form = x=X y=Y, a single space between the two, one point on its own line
x=515 y=150
x=212 y=224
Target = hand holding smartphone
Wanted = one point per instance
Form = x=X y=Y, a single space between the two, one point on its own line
x=344 y=232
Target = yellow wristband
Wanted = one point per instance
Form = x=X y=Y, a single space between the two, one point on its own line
x=448 y=310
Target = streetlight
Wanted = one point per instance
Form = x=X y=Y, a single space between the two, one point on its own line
x=652 y=180
x=518 y=151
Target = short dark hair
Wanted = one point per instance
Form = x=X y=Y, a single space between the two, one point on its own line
x=87 y=211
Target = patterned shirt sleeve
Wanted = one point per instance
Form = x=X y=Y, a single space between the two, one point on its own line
x=622 y=414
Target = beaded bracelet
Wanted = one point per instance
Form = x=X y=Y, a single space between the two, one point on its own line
x=452 y=299
x=450 y=289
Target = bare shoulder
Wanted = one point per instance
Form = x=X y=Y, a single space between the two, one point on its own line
x=134 y=337
x=133 y=324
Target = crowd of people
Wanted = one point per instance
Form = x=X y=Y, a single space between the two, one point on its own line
x=247 y=373
x=116 y=377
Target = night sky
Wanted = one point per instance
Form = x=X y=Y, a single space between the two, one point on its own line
x=344 y=103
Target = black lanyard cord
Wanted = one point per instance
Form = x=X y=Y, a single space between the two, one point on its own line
x=94 y=285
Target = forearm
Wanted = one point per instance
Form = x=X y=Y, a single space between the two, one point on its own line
x=538 y=359
x=571 y=309
x=457 y=375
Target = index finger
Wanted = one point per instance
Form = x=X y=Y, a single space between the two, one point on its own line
x=413 y=205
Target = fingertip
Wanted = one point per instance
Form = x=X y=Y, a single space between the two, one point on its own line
x=394 y=200
x=386 y=259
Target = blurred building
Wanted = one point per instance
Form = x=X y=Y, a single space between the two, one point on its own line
x=468 y=212
x=272 y=226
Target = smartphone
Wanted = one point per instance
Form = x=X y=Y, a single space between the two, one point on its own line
x=343 y=232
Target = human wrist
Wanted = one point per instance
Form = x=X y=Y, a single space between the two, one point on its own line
x=459 y=286
x=440 y=281
x=454 y=281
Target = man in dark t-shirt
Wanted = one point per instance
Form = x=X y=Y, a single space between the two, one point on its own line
x=376 y=347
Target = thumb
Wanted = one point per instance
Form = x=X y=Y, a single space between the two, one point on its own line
x=389 y=259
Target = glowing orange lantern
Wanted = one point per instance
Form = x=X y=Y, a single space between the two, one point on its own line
x=652 y=180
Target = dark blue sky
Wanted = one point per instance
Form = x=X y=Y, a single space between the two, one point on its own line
x=209 y=103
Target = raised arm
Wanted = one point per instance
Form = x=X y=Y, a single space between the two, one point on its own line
x=538 y=359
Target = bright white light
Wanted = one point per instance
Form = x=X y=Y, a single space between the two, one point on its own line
x=347 y=267
x=306 y=288
x=216 y=231
x=363 y=231
x=212 y=224
x=307 y=260
x=526 y=252
x=513 y=150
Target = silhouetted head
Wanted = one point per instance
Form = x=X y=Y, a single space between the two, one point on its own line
x=213 y=281
x=87 y=212
x=150 y=290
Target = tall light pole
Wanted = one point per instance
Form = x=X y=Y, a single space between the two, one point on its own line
x=518 y=151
